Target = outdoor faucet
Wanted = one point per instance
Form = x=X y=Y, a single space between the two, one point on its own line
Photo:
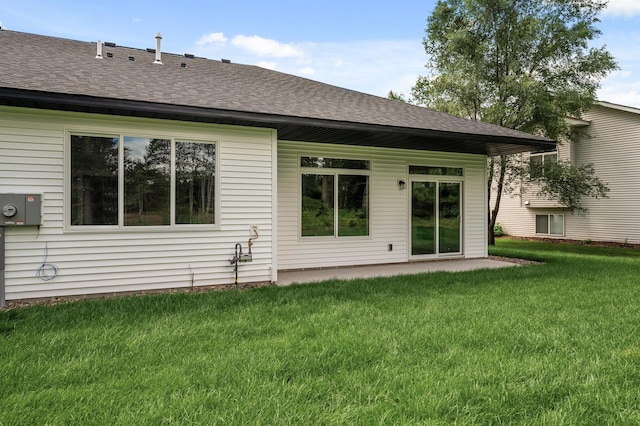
x=240 y=257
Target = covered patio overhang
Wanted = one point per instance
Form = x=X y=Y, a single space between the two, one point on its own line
x=290 y=128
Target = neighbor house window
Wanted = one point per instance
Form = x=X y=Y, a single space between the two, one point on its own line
x=335 y=197
x=127 y=181
x=550 y=224
x=539 y=161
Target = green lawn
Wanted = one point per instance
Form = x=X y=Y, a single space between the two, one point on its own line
x=557 y=343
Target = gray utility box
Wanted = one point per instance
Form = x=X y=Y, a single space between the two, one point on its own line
x=20 y=209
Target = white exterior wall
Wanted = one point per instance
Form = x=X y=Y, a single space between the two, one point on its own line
x=613 y=147
x=251 y=191
x=32 y=146
x=516 y=218
x=389 y=206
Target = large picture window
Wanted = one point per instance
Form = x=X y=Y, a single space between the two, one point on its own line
x=335 y=197
x=130 y=181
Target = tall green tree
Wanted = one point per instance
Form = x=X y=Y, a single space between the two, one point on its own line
x=521 y=64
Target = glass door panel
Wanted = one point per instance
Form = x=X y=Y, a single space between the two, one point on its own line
x=449 y=217
x=435 y=217
x=423 y=218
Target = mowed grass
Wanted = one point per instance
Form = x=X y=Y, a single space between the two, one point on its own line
x=556 y=343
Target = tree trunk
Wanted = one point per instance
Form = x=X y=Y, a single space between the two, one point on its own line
x=325 y=192
x=491 y=172
x=493 y=215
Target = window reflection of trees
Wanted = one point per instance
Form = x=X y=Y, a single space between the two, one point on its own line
x=325 y=191
x=147 y=181
x=195 y=182
x=94 y=180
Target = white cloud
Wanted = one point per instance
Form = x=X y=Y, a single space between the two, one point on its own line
x=374 y=66
x=215 y=39
x=267 y=65
x=623 y=8
x=620 y=96
x=620 y=88
x=620 y=74
x=266 y=47
x=306 y=71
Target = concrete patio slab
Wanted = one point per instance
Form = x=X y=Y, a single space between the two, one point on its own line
x=354 y=272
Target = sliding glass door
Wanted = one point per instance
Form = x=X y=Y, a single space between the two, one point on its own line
x=435 y=217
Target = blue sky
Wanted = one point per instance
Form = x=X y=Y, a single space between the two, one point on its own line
x=370 y=46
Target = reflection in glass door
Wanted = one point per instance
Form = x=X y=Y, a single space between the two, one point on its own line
x=449 y=217
x=435 y=217
x=423 y=218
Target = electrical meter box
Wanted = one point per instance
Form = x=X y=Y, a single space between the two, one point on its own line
x=20 y=209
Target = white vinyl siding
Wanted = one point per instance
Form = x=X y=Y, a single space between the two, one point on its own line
x=530 y=194
x=613 y=146
x=389 y=206
x=32 y=161
x=251 y=191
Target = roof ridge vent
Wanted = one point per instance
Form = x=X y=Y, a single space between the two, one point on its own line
x=99 y=50
x=226 y=61
x=158 y=52
x=109 y=44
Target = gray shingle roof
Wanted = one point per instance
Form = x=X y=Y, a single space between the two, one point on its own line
x=52 y=72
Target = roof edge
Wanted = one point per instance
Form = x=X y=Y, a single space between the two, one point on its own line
x=100 y=105
x=618 y=107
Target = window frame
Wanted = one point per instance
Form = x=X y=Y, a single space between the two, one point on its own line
x=448 y=172
x=542 y=156
x=548 y=216
x=336 y=173
x=120 y=133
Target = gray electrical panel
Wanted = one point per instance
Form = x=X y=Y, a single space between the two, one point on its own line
x=20 y=209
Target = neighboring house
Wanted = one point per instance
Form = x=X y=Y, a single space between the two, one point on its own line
x=153 y=166
x=612 y=144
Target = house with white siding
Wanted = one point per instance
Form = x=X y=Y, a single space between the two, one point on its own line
x=147 y=170
x=611 y=142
